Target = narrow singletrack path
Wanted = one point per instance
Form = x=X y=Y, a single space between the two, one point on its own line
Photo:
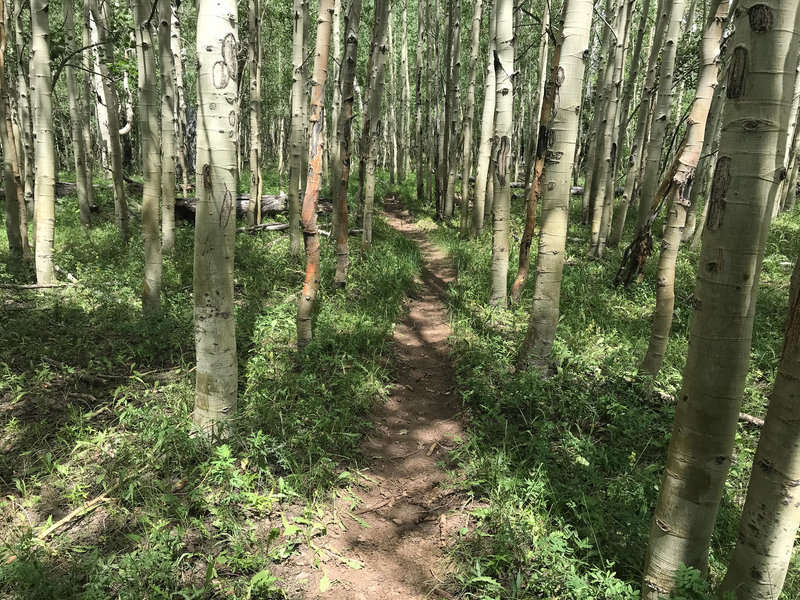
x=390 y=545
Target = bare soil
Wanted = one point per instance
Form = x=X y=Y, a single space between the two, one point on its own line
x=387 y=539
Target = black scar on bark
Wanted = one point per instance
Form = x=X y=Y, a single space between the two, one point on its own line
x=761 y=17
x=229 y=53
x=719 y=193
x=226 y=209
x=737 y=73
x=503 y=155
x=220 y=76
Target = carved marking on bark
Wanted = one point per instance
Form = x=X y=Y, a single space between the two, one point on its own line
x=207 y=177
x=719 y=193
x=503 y=158
x=220 y=75
x=229 y=54
x=737 y=73
x=761 y=18
x=226 y=209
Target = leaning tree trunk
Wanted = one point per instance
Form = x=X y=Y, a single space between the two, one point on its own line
x=316 y=150
x=679 y=192
x=167 y=125
x=771 y=514
x=535 y=193
x=151 y=156
x=373 y=121
x=297 y=135
x=503 y=129
x=15 y=199
x=760 y=82
x=100 y=12
x=254 y=59
x=487 y=130
x=344 y=134
x=44 y=143
x=215 y=221
x=658 y=128
x=76 y=119
x=538 y=344
x=454 y=93
x=469 y=116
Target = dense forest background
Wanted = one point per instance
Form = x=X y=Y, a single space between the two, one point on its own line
x=219 y=217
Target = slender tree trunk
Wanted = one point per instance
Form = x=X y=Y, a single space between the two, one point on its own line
x=373 y=119
x=254 y=59
x=391 y=128
x=88 y=100
x=296 y=137
x=538 y=344
x=534 y=195
x=344 y=137
x=151 y=155
x=76 y=118
x=25 y=108
x=771 y=514
x=403 y=153
x=420 y=124
x=487 y=131
x=604 y=201
x=316 y=150
x=454 y=93
x=332 y=149
x=443 y=147
x=430 y=104
x=100 y=12
x=541 y=80
x=789 y=191
x=215 y=220
x=180 y=100
x=658 y=128
x=15 y=200
x=44 y=144
x=101 y=101
x=469 y=116
x=760 y=82
x=679 y=193
x=503 y=130
x=167 y=125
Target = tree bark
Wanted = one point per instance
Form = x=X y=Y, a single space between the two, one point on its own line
x=487 y=131
x=25 y=108
x=420 y=123
x=254 y=59
x=403 y=153
x=44 y=143
x=469 y=116
x=538 y=344
x=180 y=100
x=454 y=95
x=215 y=231
x=344 y=137
x=297 y=135
x=760 y=82
x=503 y=130
x=151 y=156
x=167 y=125
x=316 y=150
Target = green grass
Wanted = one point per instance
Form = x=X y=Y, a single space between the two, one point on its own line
x=568 y=467
x=96 y=397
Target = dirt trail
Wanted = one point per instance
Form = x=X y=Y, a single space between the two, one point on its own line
x=392 y=545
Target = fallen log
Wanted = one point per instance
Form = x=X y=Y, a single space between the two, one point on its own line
x=185 y=208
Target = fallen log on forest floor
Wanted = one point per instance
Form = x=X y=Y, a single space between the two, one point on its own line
x=575 y=190
x=273 y=204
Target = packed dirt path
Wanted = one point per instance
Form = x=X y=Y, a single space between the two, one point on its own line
x=386 y=537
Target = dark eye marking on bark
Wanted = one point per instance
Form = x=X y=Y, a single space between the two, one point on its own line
x=766 y=465
x=719 y=193
x=503 y=158
x=207 y=177
x=737 y=72
x=226 y=209
x=232 y=118
x=560 y=76
x=229 y=53
x=219 y=75
x=761 y=18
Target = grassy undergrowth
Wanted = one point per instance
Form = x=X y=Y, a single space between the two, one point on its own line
x=95 y=398
x=569 y=465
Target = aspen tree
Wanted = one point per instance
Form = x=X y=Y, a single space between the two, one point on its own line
x=771 y=514
x=254 y=60
x=469 y=116
x=373 y=123
x=297 y=127
x=44 y=143
x=101 y=104
x=454 y=96
x=344 y=137
x=88 y=100
x=658 y=127
x=503 y=129
x=537 y=346
x=541 y=69
x=25 y=107
x=167 y=125
x=215 y=220
x=420 y=123
x=487 y=131
x=391 y=129
x=403 y=154
x=678 y=195
x=180 y=99
x=429 y=110
x=76 y=118
x=316 y=149
x=332 y=149
x=792 y=140
x=151 y=156
x=102 y=19
x=746 y=183
x=15 y=200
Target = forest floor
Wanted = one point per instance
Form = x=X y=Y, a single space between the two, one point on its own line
x=392 y=543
